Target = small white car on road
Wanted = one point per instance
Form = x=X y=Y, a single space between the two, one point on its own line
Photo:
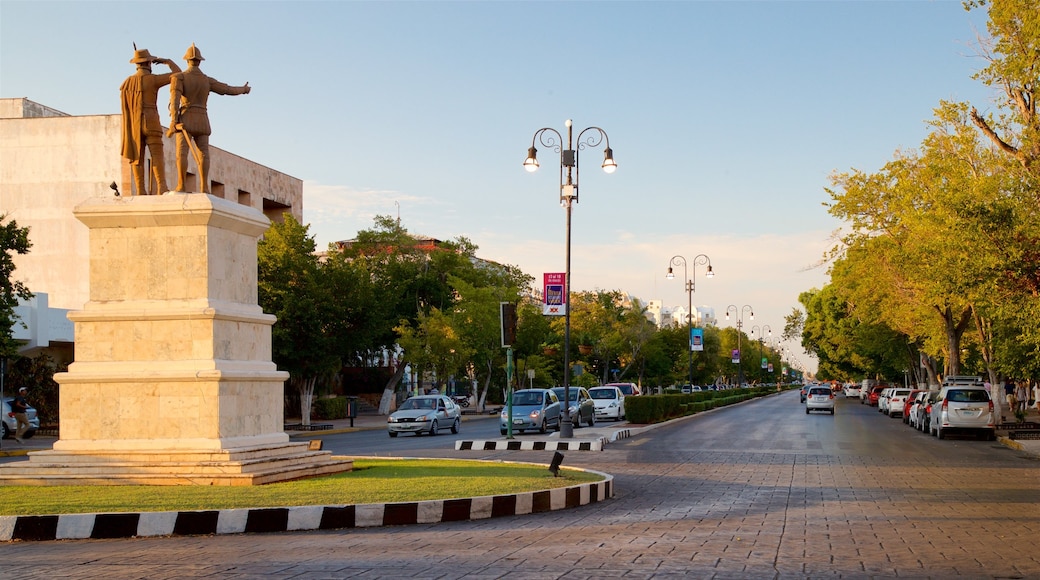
x=819 y=399
x=609 y=402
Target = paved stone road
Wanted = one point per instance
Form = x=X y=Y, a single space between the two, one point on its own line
x=757 y=491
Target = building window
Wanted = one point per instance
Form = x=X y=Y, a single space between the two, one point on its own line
x=245 y=198
x=275 y=210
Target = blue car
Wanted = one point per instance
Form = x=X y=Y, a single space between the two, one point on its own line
x=533 y=409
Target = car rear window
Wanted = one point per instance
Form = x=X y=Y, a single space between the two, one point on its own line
x=967 y=396
x=819 y=391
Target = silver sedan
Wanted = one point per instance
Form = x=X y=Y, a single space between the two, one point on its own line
x=425 y=414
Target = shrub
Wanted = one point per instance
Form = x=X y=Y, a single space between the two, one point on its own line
x=329 y=408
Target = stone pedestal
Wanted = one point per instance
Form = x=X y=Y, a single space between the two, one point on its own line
x=173 y=381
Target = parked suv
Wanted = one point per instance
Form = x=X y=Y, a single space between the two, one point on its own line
x=962 y=409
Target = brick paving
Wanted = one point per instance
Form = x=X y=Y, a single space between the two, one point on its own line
x=762 y=497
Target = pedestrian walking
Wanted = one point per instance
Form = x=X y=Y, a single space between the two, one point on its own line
x=1021 y=396
x=1009 y=394
x=19 y=408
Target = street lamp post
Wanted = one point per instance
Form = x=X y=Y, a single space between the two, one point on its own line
x=762 y=332
x=740 y=324
x=569 y=171
x=691 y=285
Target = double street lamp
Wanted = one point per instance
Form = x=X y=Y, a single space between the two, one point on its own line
x=551 y=139
x=740 y=333
x=762 y=332
x=691 y=285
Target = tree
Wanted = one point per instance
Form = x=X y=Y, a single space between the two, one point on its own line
x=434 y=343
x=478 y=321
x=926 y=225
x=292 y=287
x=13 y=239
x=1013 y=54
x=847 y=347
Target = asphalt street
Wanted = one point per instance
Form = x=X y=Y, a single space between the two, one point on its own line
x=756 y=490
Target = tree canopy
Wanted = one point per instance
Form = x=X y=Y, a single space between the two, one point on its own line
x=13 y=240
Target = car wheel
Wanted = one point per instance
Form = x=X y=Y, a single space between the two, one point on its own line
x=433 y=428
x=502 y=431
x=592 y=420
x=7 y=433
x=807 y=410
x=542 y=428
x=393 y=433
x=456 y=425
x=577 y=420
x=832 y=411
x=939 y=433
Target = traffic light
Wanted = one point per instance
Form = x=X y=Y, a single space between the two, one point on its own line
x=507 y=311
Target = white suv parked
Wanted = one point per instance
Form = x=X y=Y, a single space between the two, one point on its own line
x=894 y=402
x=963 y=408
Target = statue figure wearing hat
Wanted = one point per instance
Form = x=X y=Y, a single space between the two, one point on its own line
x=189 y=119
x=141 y=127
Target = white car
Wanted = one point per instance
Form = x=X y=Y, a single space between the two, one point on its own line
x=882 y=400
x=819 y=399
x=425 y=414
x=894 y=402
x=963 y=409
x=609 y=402
x=852 y=391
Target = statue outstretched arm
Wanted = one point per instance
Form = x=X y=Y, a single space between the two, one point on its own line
x=173 y=66
x=220 y=88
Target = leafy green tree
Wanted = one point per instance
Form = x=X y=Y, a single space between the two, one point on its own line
x=13 y=240
x=1013 y=54
x=846 y=347
x=923 y=226
x=478 y=320
x=534 y=335
x=293 y=288
x=434 y=343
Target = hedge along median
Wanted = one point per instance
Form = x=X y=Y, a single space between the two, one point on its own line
x=647 y=409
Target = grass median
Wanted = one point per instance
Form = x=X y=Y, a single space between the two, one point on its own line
x=371 y=481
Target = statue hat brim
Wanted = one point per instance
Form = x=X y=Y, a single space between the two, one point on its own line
x=142 y=56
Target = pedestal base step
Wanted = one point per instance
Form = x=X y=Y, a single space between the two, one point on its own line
x=252 y=466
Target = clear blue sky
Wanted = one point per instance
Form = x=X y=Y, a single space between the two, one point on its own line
x=725 y=118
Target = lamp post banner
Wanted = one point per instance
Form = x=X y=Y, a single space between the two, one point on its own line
x=735 y=356
x=554 y=293
x=696 y=339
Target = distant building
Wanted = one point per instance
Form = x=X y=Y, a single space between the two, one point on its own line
x=51 y=161
x=665 y=317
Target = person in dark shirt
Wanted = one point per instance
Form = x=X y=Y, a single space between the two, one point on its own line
x=19 y=407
